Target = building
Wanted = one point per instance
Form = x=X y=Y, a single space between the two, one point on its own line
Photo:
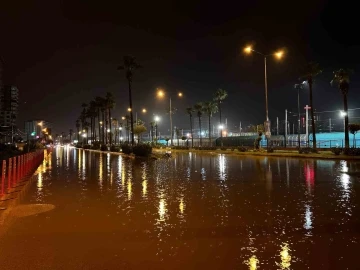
x=9 y=102
x=34 y=128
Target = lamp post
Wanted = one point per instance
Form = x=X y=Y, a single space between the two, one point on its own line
x=157 y=119
x=279 y=55
x=161 y=94
x=343 y=114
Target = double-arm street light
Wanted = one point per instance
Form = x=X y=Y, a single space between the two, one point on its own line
x=161 y=94
x=278 y=55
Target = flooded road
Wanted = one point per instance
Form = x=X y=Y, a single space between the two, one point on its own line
x=102 y=211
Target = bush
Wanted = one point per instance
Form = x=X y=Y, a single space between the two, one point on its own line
x=336 y=151
x=115 y=148
x=87 y=146
x=352 y=151
x=307 y=150
x=270 y=150
x=126 y=149
x=96 y=146
x=242 y=149
x=142 y=150
x=223 y=148
x=104 y=148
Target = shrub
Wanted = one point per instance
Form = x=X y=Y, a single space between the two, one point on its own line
x=96 y=146
x=232 y=148
x=142 y=150
x=307 y=150
x=223 y=148
x=126 y=149
x=352 y=151
x=336 y=151
x=87 y=146
x=104 y=148
x=242 y=149
x=115 y=148
x=270 y=150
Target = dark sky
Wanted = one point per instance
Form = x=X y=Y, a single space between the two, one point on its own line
x=63 y=53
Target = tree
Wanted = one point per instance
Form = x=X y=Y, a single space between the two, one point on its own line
x=199 y=111
x=99 y=101
x=92 y=113
x=190 y=111
x=354 y=128
x=219 y=97
x=138 y=130
x=342 y=79
x=312 y=69
x=210 y=108
x=109 y=101
x=130 y=65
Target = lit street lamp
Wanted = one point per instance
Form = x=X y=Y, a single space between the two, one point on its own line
x=157 y=119
x=278 y=55
x=161 y=94
x=343 y=114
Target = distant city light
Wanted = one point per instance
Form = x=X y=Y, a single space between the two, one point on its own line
x=108 y=130
x=342 y=113
x=157 y=118
x=160 y=93
x=221 y=127
x=121 y=138
x=84 y=135
x=129 y=109
x=120 y=128
x=144 y=110
x=180 y=94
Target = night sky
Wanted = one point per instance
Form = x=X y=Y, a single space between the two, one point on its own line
x=63 y=53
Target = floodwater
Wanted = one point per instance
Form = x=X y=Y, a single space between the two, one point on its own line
x=85 y=210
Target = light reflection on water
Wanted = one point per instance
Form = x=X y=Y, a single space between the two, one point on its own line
x=226 y=212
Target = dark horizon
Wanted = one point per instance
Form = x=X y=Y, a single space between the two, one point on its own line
x=62 y=54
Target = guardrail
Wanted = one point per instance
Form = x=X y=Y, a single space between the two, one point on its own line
x=15 y=169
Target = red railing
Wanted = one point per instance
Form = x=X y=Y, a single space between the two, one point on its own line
x=15 y=169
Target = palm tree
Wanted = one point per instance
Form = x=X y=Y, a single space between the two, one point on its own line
x=199 y=111
x=312 y=69
x=219 y=97
x=130 y=65
x=109 y=106
x=190 y=111
x=342 y=79
x=210 y=108
x=99 y=101
x=92 y=114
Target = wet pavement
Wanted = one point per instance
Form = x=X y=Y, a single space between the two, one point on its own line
x=84 y=210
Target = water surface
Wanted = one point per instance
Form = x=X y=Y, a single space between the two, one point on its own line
x=188 y=212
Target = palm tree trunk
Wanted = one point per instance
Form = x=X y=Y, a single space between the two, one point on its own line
x=131 y=114
x=191 y=130
x=346 y=127
x=200 y=130
x=312 y=114
x=110 y=134
x=210 y=129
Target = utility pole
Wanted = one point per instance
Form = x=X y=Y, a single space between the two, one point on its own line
x=286 y=127
x=307 y=108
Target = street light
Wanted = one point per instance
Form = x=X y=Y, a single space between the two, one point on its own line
x=157 y=119
x=161 y=94
x=279 y=55
x=343 y=114
x=144 y=110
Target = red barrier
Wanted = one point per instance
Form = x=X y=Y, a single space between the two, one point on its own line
x=14 y=171
x=3 y=172
x=9 y=173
